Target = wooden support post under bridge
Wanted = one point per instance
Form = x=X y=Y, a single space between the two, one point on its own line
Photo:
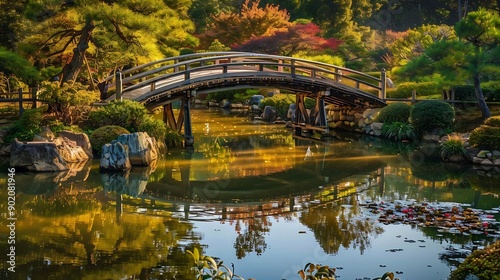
x=313 y=120
x=170 y=119
x=183 y=119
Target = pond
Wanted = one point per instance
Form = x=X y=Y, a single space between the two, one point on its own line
x=258 y=198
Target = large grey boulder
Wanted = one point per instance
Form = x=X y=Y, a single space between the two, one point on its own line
x=114 y=157
x=69 y=150
x=142 y=149
x=81 y=139
x=36 y=156
x=269 y=114
x=290 y=114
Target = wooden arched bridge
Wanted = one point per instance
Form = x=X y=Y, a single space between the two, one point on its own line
x=162 y=82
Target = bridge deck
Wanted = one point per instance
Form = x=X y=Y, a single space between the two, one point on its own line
x=161 y=82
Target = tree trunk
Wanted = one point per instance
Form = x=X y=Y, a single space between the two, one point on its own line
x=485 y=111
x=459 y=10
x=70 y=70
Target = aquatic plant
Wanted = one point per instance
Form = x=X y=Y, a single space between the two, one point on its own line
x=207 y=268
x=398 y=131
x=454 y=146
x=387 y=275
x=315 y=271
x=173 y=138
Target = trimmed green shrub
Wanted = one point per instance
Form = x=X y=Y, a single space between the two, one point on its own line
x=491 y=92
x=428 y=115
x=485 y=137
x=398 y=131
x=131 y=115
x=493 y=121
x=154 y=128
x=483 y=263
x=26 y=127
x=104 y=135
x=127 y=114
x=394 y=112
x=404 y=90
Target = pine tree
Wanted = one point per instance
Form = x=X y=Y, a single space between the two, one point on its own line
x=104 y=35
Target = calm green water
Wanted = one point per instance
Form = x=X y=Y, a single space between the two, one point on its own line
x=249 y=194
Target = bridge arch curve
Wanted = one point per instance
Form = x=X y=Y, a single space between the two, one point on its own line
x=162 y=82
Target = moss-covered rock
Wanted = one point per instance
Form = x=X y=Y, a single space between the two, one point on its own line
x=104 y=135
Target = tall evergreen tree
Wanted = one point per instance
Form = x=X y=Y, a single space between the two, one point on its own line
x=475 y=54
x=110 y=33
x=11 y=16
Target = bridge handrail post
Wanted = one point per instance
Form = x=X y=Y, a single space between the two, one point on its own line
x=176 y=68
x=119 y=85
x=383 y=84
x=34 y=93
x=21 y=108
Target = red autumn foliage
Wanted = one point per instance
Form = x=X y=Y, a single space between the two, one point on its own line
x=299 y=37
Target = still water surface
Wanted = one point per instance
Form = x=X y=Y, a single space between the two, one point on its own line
x=250 y=194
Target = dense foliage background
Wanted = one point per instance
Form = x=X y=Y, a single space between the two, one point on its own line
x=448 y=43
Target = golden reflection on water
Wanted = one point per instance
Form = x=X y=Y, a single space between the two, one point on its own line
x=76 y=223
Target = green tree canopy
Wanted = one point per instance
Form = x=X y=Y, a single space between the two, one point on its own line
x=104 y=35
x=475 y=55
x=416 y=40
x=13 y=64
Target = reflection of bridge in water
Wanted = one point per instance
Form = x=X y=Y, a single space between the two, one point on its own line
x=320 y=179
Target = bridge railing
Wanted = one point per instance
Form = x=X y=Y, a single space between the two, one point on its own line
x=183 y=67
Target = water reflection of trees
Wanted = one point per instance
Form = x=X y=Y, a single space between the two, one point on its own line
x=72 y=235
x=252 y=239
x=335 y=225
